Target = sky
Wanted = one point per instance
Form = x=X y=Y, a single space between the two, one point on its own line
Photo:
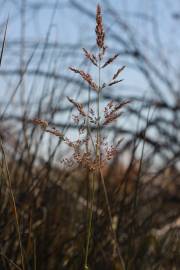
x=68 y=21
x=73 y=28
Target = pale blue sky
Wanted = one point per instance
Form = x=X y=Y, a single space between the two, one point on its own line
x=73 y=27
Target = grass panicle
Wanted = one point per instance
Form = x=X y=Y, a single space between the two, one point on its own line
x=93 y=157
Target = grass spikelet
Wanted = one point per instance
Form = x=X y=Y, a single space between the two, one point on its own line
x=115 y=82
x=110 y=60
x=78 y=105
x=91 y=57
x=39 y=122
x=118 y=72
x=100 y=35
x=55 y=132
x=87 y=77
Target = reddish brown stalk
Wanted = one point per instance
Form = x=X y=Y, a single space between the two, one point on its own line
x=14 y=207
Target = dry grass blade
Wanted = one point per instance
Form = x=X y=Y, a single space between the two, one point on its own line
x=111 y=221
x=4 y=40
x=13 y=205
x=10 y=261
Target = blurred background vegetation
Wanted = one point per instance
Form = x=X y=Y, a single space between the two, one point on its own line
x=143 y=182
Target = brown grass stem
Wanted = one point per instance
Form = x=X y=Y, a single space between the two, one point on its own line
x=13 y=205
x=111 y=220
x=89 y=228
x=10 y=261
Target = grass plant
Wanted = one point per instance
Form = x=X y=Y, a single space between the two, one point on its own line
x=92 y=151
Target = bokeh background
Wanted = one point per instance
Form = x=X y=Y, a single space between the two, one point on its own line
x=43 y=39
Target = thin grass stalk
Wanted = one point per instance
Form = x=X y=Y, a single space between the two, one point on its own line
x=140 y=165
x=34 y=254
x=4 y=40
x=10 y=261
x=88 y=128
x=89 y=229
x=98 y=154
x=111 y=221
x=138 y=179
x=88 y=185
x=13 y=206
x=98 y=158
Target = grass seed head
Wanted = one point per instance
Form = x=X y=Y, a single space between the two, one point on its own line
x=90 y=57
x=55 y=132
x=100 y=35
x=110 y=60
x=118 y=72
x=78 y=105
x=86 y=77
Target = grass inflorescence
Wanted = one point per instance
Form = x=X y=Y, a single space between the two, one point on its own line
x=91 y=150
